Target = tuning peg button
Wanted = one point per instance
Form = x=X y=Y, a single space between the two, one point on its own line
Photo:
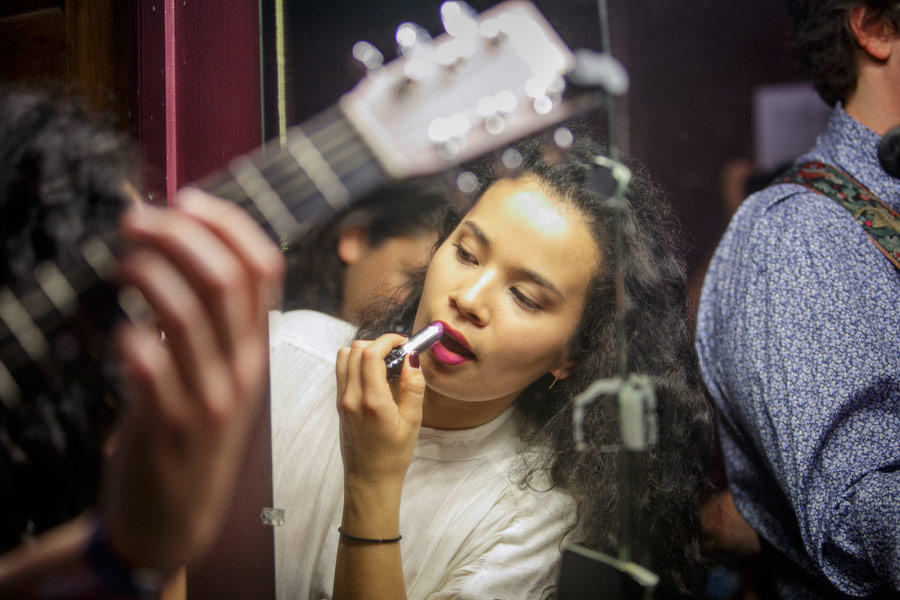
x=459 y=18
x=490 y=29
x=543 y=105
x=511 y=159
x=563 y=137
x=368 y=55
x=412 y=39
x=467 y=182
x=495 y=124
x=506 y=101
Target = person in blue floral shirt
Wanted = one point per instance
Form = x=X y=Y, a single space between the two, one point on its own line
x=799 y=334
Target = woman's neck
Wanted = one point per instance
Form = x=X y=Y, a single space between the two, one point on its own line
x=441 y=412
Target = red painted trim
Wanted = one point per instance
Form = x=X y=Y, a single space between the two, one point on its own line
x=218 y=82
x=199 y=91
x=171 y=105
x=151 y=97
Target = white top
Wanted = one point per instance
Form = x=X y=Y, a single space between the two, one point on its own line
x=469 y=530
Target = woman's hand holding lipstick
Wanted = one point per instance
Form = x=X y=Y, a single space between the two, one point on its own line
x=379 y=420
x=379 y=427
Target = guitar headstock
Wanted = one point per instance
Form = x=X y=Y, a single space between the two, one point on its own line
x=488 y=81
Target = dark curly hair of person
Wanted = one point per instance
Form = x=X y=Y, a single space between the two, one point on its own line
x=668 y=480
x=826 y=44
x=63 y=178
x=315 y=273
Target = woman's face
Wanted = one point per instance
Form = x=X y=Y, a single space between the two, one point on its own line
x=509 y=285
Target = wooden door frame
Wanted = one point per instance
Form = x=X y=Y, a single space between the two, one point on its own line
x=199 y=105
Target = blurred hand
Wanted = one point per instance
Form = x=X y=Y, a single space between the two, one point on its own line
x=208 y=272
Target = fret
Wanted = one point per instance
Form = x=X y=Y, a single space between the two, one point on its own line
x=22 y=327
x=230 y=189
x=283 y=174
x=57 y=288
x=134 y=305
x=266 y=200
x=99 y=257
x=327 y=131
x=302 y=189
x=351 y=157
x=319 y=171
x=336 y=133
x=9 y=392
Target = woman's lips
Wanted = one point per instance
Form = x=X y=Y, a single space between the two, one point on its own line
x=452 y=349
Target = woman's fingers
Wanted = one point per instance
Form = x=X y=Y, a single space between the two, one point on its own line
x=373 y=369
x=341 y=368
x=362 y=375
x=351 y=399
x=363 y=387
x=379 y=421
x=411 y=385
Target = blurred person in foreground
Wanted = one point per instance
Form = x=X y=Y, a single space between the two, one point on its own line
x=116 y=478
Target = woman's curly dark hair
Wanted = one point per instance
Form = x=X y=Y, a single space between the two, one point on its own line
x=826 y=44
x=63 y=177
x=669 y=479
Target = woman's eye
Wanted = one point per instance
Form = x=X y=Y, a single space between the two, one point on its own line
x=464 y=255
x=524 y=301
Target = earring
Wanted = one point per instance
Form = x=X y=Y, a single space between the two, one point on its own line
x=555 y=379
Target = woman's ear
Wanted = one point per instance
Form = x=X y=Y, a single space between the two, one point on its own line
x=352 y=243
x=874 y=37
x=564 y=370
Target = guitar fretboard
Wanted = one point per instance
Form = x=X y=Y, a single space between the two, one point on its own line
x=323 y=168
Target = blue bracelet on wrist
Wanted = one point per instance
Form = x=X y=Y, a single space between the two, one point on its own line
x=115 y=574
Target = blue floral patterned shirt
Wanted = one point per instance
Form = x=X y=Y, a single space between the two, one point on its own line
x=799 y=341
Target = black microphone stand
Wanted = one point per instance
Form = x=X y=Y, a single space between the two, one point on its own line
x=586 y=574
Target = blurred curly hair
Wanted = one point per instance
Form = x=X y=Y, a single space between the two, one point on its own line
x=63 y=176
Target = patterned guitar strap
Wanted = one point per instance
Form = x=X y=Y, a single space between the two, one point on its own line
x=877 y=219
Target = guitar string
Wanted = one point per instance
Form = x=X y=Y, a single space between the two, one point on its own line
x=284 y=162
x=334 y=157
x=337 y=158
x=324 y=146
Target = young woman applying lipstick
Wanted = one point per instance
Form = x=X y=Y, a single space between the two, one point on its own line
x=469 y=454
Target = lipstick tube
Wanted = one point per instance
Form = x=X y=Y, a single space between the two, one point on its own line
x=420 y=342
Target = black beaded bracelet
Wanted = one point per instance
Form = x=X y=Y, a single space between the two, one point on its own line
x=369 y=540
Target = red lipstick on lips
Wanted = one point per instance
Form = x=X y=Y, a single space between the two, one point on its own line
x=453 y=348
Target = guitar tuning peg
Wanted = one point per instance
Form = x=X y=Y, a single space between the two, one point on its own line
x=412 y=39
x=563 y=138
x=458 y=18
x=511 y=159
x=490 y=30
x=467 y=182
x=368 y=55
x=461 y=23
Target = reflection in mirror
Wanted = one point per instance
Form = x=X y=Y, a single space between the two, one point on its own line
x=705 y=108
x=366 y=254
x=490 y=486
